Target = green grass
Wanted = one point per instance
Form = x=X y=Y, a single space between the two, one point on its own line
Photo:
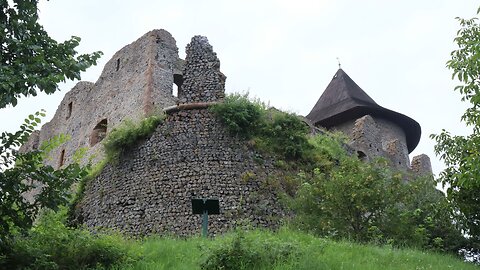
x=282 y=250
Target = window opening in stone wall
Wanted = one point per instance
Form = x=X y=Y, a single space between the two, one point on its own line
x=177 y=84
x=361 y=155
x=69 y=109
x=175 y=90
x=99 y=132
x=118 y=64
x=62 y=158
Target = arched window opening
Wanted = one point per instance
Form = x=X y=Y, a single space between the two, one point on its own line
x=177 y=84
x=69 y=109
x=99 y=132
x=361 y=155
x=62 y=158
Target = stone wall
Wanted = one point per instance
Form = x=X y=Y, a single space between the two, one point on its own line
x=374 y=137
x=203 y=81
x=134 y=83
x=191 y=155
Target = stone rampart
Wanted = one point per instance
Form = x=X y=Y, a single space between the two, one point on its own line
x=191 y=155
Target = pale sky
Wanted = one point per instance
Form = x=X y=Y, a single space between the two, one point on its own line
x=285 y=52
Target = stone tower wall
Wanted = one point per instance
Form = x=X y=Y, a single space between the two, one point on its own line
x=203 y=81
x=374 y=137
x=136 y=82
x=190 y=156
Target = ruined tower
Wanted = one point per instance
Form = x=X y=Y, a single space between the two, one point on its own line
x=374 y=131
x=134 y=83
x=190 y=155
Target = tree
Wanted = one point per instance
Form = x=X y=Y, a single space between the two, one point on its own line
x=369 y=202
x=30 y=60
x=461 y=154
x=25 y=173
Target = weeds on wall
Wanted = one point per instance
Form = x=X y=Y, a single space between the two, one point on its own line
x=121 y=138
x=129 y=133
x=267 y=129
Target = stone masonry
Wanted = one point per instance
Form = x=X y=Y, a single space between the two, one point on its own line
x=191 y=155
x=376 y=137
x=134 y=83
x=203 y=81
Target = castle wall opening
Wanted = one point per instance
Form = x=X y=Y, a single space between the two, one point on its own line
x=69 y=109
x=177 y=84
x=62 y=158
x=99 y=132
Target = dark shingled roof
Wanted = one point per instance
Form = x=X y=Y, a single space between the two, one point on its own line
x=344 y=100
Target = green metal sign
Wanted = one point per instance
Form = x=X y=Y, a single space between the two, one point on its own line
x=205 y=207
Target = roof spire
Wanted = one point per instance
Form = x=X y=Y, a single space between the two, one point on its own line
x=339 y=64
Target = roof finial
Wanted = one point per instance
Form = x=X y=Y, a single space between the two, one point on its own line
x=339 y=65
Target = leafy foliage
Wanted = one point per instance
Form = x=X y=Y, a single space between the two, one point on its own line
x=241 y=252
x=269 y=130
x=240 y=115
x=128 y=133
x=461 y=154
x=52 y=245
x=23 y=174
x=368 y=202
x=336 y=194
x=30 y=59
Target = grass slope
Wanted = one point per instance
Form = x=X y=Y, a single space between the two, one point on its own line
x=282 y=250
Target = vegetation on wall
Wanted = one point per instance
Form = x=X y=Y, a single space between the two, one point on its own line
x=128 y=133
x=120 y=139
x=268 y=129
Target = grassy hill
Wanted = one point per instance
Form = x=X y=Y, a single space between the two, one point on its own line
x=282 y=250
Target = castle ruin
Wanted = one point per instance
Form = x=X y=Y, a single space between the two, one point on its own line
x=191 y=154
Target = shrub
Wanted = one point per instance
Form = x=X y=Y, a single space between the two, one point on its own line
x=258 y=250
x=52 y=245
x=286 y=135
x=269 y=130
x=241 y=116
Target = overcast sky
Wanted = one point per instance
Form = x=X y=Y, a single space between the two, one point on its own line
x=285 y=52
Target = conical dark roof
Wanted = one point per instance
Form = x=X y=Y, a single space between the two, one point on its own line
x=344 y=100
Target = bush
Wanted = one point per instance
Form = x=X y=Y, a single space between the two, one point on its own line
x=241 y=116
x=258 y=250
x=51 y=245
x=270 y=130
x=367 y=202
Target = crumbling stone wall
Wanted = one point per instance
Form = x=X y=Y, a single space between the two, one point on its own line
x=421 y=165
x=374 y=137
x=134 y=83
x=191 y=155
x=203 y=81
